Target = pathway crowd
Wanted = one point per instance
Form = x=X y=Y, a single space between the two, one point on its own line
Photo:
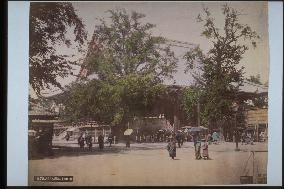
x=200 y=140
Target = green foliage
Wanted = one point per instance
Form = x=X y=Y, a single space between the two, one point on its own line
x=130 y=64
x=48 y=26
x=220 y=76
x=89 y=99
x=112 y=102
x=126 y=46
x=189 y=102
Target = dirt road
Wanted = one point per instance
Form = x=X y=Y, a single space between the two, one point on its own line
x=151 y=166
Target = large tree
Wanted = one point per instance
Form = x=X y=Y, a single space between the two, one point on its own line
x=220 y=74
x=49 y=22
x=130 y=64
x=126 y=46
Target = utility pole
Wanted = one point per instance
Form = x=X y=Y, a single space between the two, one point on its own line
x=236 y=133
x=198 y=108
x=198 y=113
x=236 y=107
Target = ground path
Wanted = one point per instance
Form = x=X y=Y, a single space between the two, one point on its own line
x=148 y=164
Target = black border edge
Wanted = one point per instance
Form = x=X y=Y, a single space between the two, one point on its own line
x=4 y=80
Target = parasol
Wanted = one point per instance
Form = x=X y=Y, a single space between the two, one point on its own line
x=128 y=131
x=204 y=128
x=198 y=129
x=195 y=129
x=186 y=127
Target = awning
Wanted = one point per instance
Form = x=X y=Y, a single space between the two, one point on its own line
x=46 y=121
x=186 y=127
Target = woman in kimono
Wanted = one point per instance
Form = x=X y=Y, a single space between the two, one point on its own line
x=205 y=153
x=101 y=142
x=171 y=147
x=198 y=147
x=89 y=141
x=81 y=141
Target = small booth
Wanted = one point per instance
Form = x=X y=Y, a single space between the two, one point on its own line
x=40 y=131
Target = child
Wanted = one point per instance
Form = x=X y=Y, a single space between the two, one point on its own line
x=205 y=153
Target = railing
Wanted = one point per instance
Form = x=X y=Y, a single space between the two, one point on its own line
x=252 y=179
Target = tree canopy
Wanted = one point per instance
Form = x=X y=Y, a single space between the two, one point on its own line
x=49 y=23
x=220 y=75
x=130 y=64
x=126 y=46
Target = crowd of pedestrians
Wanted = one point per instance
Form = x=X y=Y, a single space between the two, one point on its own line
x=201 y=144
x=87 y=139
x=200 y=140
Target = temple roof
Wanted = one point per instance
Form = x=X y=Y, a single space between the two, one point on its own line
x=37 y=110
x=249 y=87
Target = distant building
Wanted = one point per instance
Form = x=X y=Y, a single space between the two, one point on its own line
x=170 y=105
x=74 y=130
x=41 y=122
x=256 y=117
x=258 y=121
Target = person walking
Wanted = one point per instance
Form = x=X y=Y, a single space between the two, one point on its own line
x=243 y=137
x=182 y=139
x=209 y=138
x=127 y=141
x=89 y=141
x=81 y=141
x=197 y=146
x=101 y=142
x=110 y=139
x=205 y=153
x=178 y=138
x=171 y=147
x=215 y=137
x=67 y=136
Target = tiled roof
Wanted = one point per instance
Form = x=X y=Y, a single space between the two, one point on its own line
x=253 y=88
x=39 y=110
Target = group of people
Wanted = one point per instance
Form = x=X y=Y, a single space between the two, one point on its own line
x=214 y=138
x=171 y=147
x=161 y=137
x=197 y=145
x=247 y=138
x=88 y=140
x=152 y=138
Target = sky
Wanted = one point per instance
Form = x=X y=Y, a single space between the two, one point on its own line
x=177 y=21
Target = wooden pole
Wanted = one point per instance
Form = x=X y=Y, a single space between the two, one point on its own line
x=198 y=113
x=236 y=133
x=253 y=178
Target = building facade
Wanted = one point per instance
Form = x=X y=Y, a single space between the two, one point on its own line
x=257 y=120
